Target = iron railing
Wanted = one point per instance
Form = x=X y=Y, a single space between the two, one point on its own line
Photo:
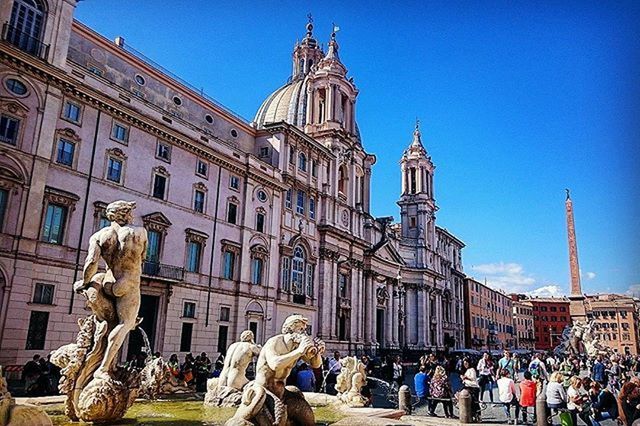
x=160 y=270
x=24 y=41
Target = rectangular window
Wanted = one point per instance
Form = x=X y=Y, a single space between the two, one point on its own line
x=342 y=285
x=225 y=313
x=314 y=168
x=114 y=170
x=256 y=271
x=120 y=133
x=287 y=199
x=228 y=265
x=154 y=238
x=95 y=70
x=300 y=202
x=163 y=151
x=264 y=152
x=104 y=222
x=71 y=112
x=292 y=155
x=194 y=250
x=43 y=294
x=185 y=337
x=202 y=168
x=54 y=222
x=309 y=280
x=189 y=310
x=223 y=330
x=65 y=152
x=37 y=334
x=4 y=200
x=312 y=208
x=232 y=212
x=198 y=201
x=260 y=222
x=159 y=186
x=9 y=129
x=234 y=182
x=286 y=273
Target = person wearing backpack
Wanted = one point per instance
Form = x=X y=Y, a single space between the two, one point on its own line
x=507 y=363
x=537 y=369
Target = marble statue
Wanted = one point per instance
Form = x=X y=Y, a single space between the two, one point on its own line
x=266 y=400
x=579 y=339
x=226 y=390
x=97 y=391
x=12 y=414
x=156 y=379
x=352 y=378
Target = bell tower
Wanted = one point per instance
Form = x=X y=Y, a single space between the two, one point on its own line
x=417 y=203
x=306 y=54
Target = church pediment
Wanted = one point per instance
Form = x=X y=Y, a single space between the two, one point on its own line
x=388 y=253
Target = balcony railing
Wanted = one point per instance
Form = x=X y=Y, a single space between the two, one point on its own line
x=160 y=270
x=24 y=41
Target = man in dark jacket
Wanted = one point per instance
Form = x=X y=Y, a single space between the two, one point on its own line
x=604 y=404
x=598 y=372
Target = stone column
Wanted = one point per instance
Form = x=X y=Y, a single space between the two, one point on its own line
x=325 y=325
x=361 y=306
x=310 y=98
x=420 y=315
x=333 y=298
x=388 y=333
x=439 y=333
x=330 y=104
x=425 y=315
x=355 y=318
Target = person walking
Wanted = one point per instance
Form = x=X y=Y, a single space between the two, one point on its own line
x=485 y=375
x=598 y=372
x=603 y=404
x=507 y=363
x=421 y=385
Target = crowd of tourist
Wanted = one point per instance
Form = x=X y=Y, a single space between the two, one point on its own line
x=576 y=388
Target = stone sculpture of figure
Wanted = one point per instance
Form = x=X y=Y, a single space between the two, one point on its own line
x=350 y=381
x=123 y=249
x=157 y=379
x=267 y=401
x=96 y=391
x=226 y=390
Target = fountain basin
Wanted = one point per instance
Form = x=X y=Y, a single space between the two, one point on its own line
x=180 y=413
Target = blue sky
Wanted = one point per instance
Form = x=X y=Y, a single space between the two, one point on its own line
x=517 y=100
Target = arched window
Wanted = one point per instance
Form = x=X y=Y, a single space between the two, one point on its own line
x=26 y=25
x=297 y=271
x=302 y=162
x=297 y=275
x=342 y=180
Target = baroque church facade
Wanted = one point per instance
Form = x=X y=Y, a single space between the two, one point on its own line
x=248 y=221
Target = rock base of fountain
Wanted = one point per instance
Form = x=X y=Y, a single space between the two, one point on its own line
x=12 y=414
x=89 y=398
x=221 y=396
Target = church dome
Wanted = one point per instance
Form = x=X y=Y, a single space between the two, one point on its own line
x=287 y=104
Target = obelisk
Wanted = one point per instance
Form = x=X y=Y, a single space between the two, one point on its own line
x=577 y=308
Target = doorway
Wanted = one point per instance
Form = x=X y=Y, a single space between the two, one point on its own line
x=380 y=327
x=149 y=313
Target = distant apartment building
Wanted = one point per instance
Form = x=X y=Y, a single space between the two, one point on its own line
x=551 y=315
x=615 y=320
x=523 y=322
x=488 y=317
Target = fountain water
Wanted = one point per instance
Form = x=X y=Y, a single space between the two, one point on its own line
x=147 y=345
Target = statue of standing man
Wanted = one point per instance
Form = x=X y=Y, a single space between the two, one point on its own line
x=123 y=248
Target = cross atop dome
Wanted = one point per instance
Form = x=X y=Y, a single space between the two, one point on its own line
x=307 y=53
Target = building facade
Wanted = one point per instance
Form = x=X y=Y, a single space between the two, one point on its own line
x=615 y=321
x=551 y=316
x=523 y=322
x=248 y=221
x=489 y=315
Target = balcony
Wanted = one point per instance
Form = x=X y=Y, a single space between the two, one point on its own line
x=160 y=270
x=24 y=41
